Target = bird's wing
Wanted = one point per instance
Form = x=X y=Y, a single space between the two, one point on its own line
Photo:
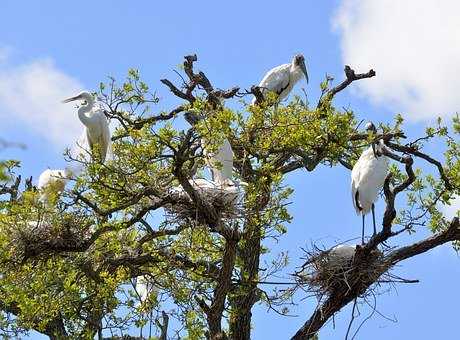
x=277 y=79
x=222 y=167
x=372 y=175
x=44 y=179
x=81 y=151
x=106 y=141
x=355 y=174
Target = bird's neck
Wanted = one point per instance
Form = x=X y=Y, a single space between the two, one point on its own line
x=296 y=73
x=82 y=113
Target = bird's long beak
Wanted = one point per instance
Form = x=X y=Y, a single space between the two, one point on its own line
x=71 y=99
x=304 y=70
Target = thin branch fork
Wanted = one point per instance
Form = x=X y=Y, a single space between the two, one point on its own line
x=415 y=152
x=351 y=76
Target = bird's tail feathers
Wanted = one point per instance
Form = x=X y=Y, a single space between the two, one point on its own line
x=358 y=207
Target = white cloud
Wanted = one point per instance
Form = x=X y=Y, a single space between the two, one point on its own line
x=413 y=45
x=31 y=94
x=450 y=211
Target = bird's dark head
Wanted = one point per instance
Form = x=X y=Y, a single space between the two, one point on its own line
x=299 y=61
x=84 y=96
x=371 y=127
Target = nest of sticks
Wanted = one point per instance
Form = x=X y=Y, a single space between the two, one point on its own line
x=325 y=272
x=34 y=237
x=227 y=205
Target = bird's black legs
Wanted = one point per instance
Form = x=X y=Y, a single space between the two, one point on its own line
x=373 y=218
x=362 y=234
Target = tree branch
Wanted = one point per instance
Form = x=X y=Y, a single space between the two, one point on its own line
x=351 y=76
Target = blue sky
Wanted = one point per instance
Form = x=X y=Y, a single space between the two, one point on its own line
x=49 y=50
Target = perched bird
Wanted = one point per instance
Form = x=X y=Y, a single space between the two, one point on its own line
x=227 y=192
x=222 y=190
x=341 y=255
x=142 y=288
x=367 y=178
x=282 y=79
x=51 y=183
x=96 y=135
x=220 y=162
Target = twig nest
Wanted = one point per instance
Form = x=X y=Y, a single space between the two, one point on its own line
x=225 y=197
x=341 y=267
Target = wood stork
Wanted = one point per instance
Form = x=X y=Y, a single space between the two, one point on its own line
x=367 y=178
x=341 y=255
x=96 y=135
x=282 y=79
x=51 y=183
x=220 y=162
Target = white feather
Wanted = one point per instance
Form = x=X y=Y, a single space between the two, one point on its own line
x=220 y=162
x=96 y=131
x=367 y=178
x=142 y=288
x=228 y=191
x=281 y=80
x=341 y=255
x=52 y=183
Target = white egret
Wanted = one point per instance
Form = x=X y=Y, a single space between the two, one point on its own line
x=367 y=178
x=52 y=182
x=220 y=162
x=96 y=133
x=228 y=192
x=142 y=288
x=282 y=79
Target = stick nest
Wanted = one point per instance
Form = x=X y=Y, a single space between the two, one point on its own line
x=325 y=272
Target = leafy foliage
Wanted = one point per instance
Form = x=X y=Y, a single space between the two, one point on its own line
x=65 y=268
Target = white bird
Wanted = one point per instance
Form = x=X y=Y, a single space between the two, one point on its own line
x=52 y=182
x=142 y=288
x=367 y=178
x=341 y=255
x=96 y=133
x=228 y=192
x=220 y=162
x=282 y=79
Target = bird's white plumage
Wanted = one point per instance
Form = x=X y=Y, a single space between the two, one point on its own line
x=341 y=255
x=367 y=178
x=52 y=182
x=96 y=134
x=142 y=288
x=227 y=191
x=100 y=134
x=220 y=162
x=281 y=79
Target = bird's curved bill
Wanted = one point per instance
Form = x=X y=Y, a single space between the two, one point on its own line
x=304 y=70
x=71 y=99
